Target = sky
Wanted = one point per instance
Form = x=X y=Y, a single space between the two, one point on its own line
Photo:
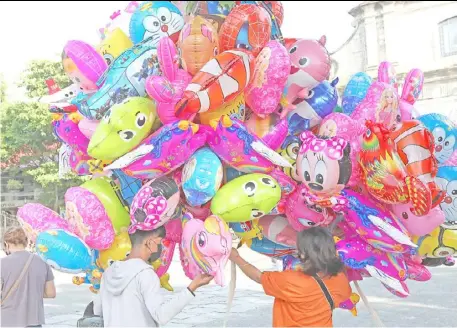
x=44 y=27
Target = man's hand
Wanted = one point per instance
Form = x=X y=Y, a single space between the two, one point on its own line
x=199 y=281
x=234 y=255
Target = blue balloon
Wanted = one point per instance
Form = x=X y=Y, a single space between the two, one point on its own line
x=231 y=173
x=444 y=133
x=269 y=248
x=155 y=20
x=446 y=179
x=64 y=251
x=129 y=186
x=355 y=92
x=125 y=78
x=201 y=177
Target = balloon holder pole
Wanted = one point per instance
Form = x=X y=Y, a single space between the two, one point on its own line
x=232 y=287
x=374 y=314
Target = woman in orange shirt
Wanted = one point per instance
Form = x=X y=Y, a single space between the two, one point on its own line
x=304 y=298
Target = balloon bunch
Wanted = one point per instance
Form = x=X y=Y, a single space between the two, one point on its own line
x=204 y=117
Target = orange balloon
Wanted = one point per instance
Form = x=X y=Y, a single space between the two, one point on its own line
x=198 y=44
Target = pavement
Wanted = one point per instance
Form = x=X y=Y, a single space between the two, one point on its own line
x=430 y=304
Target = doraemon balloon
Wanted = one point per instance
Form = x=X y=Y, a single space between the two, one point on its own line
x=447 y=181
x=445 y=134
x=156 y=19
x=202 y=177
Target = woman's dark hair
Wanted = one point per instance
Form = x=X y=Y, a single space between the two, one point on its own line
x=317 y=252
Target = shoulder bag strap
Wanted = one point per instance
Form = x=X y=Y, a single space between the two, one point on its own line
x=325 y=291
x=18 y=281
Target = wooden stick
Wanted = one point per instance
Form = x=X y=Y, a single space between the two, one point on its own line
x=373 y=313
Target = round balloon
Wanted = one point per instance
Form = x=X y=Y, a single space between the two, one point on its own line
x=201 y=177
x=246 y=198
x=355 y=91
x=446 y=179
x=154 y=204
x=118 y=251
x=63 y=251
x=440 y=243
x=154 y=20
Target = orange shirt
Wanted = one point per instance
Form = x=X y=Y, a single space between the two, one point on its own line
x=299 y=300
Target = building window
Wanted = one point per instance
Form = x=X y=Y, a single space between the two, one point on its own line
x=448 y=36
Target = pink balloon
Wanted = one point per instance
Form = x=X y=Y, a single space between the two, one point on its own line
x=67 y=130
x=167 y=90
x=418 y=225
x=277 y=229
x=88 y=219
x=375 y=225
x=205 y=247
x=277 y=134
x=79 y=162
x=173 y=145
x=302 y=215
x=272 y=68
x=412 y=89
x=35 y=218
x=173 y=236
x=341 y=125
x=87 y=127
x=417 y=271
x=287 y=185
x=387 y=74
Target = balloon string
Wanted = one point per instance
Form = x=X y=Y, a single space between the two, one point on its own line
x=231 y=293
x=373 y=313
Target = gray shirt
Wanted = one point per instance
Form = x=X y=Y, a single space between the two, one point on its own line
x=24 y=307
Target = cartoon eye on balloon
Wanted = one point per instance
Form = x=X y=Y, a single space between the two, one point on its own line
x=249 y=188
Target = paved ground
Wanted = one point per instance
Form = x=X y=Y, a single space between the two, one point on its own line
x=431 y=304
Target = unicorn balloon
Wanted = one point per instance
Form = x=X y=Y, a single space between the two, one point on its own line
x=205 y=247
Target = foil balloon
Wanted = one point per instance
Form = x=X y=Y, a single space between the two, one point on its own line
x=380 y=105
x=444 y=132
x=63 y=251
x=247 y=27
x=123 y=127
x=153 y=20
x=83 y=65
x=415 y=147
x=162 y=152
x=385 y=175
x=289 y=151
x=301 y=215
x=67 y=130
x=440 y=243
x=287 y=185
x=235 y=109
x=310 y=65
x=376 y=226
x=154 y=204
x=269 y=248
x=118 y=251
x=411 y=91
x=113 y=45
x=277 y=229
x=79 y=162
x=342 y=126
x=36 y=218
x=447 y=181
x=271 y=71
x=87 y=127
x=205 y=247
x=418 y=225
x=247 y=230
x=316 y=105
x=387 y=74
x=198 y=44
x=167 y=90
x=125 y=77
x=389 y=268
x=219 y=81
x=355 y=91
x=201 y=177
x=246 y=198
x=242 y=150
x=128 y=186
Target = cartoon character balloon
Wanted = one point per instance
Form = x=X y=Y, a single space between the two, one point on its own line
x=447 y=181
x=83 y=65
x=201 y=177
x=154 y=204
x=114 y=44
x=246 y=198
x=198 y=43
x=118 y=251
x=247 y=27
x=445 y=135
x=418 y=225
x=440 y=243
x=154 y=20
x=277 y=229
x=205 y=247
x=122 y=128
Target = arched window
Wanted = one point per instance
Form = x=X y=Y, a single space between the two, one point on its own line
x=448 y=36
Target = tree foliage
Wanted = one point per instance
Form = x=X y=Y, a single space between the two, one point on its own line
x=29 y=145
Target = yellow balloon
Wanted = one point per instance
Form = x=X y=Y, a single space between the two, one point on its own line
x=441 y=242
x=234 y=109
x=118 y=250
x=114 y=44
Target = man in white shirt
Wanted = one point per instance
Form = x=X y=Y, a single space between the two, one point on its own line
x=130 y=290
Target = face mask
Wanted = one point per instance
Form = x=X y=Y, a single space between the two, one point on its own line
x=156 y=255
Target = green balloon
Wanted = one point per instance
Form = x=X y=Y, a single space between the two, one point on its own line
x=118 y=214
x=246 y=198
x=123 y=128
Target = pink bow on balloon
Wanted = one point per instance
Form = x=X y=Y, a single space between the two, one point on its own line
x=150 y=211
x=333 y=147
